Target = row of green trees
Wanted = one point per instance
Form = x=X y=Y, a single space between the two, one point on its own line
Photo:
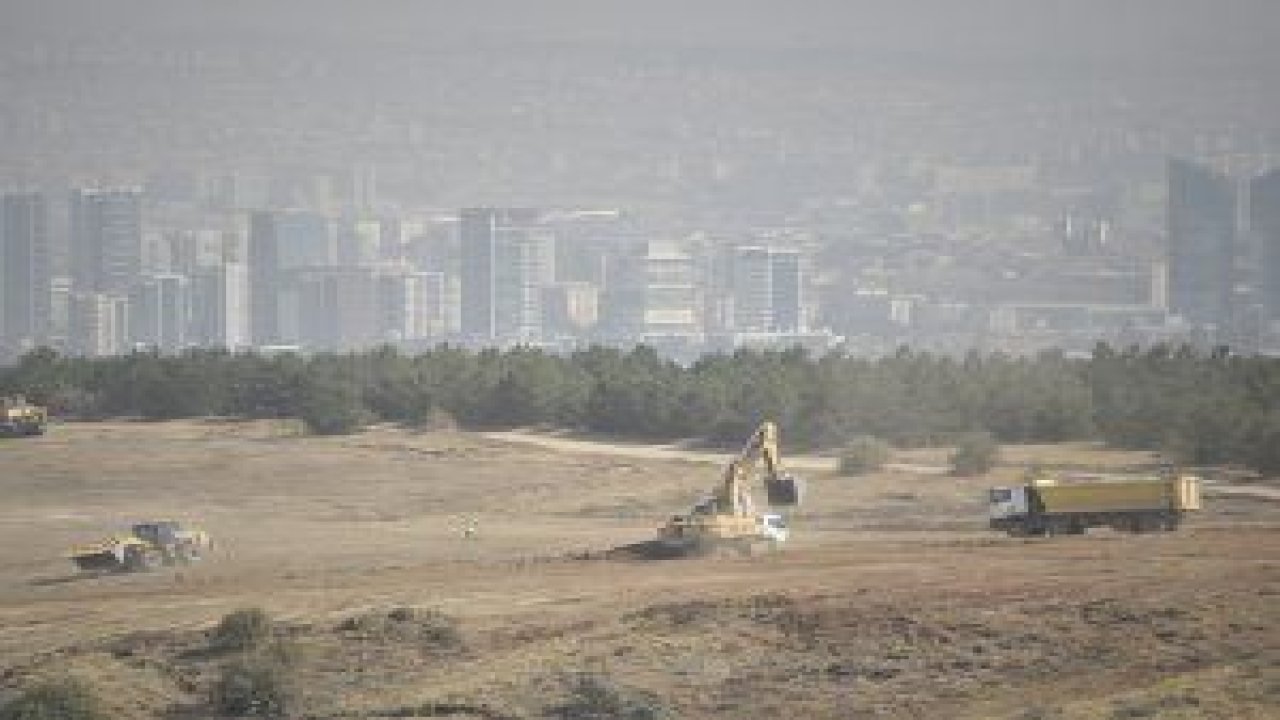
x=1203 y=409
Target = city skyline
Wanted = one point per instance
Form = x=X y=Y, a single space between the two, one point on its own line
x=1009 y=176
x=498 y=276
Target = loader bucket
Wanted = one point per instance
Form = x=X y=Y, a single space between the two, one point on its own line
x=785 y=490
x=105 y=560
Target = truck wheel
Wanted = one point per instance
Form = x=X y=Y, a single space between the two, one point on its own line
x=1152 y=523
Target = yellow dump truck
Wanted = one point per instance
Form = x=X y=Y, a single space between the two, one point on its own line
x=1130 y=504
x=19 y=418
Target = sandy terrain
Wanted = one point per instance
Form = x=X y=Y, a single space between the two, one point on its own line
x=891 y=601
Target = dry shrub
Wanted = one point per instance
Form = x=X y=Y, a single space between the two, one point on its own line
x=242 y=630
x=255 y=686
x=864 y=454
x=64 y=698
x=975 y=454
x=592 y=696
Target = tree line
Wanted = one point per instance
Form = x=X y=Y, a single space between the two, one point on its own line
x=1200 y=408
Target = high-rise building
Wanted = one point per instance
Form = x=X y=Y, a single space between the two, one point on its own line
x=160 y=312
x=410 y=305
x=768 y=290
x=787 y=285
x=434 y=247
x=652 y=295
x=264 y=276
x=364 y=187
x=477 y=239
x=25 y=289
x=106 y=239
x=359 y=242
x=1264 y=219
x=99 y=324
x=281 y=244
x=338 y=308
x=396 y=235
x=1202 y=244
x=193 y=250
x=570 y=309
x=60 y=313
x=752 y=290
x=506 y=260
x=220 y=306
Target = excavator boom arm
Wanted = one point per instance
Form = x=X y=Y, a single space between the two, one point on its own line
x=782 y=488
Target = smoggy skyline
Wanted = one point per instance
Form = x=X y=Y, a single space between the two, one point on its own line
x=939 y=167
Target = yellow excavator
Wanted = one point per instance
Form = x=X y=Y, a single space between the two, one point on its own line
x=728 y=518
x=147 y=546
x=19 y=418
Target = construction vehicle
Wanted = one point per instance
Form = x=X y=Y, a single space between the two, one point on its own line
x=728 y=517
x=147 y=546
x=1132 y=504
x=19 y=418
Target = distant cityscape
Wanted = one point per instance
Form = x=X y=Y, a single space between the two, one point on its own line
x=332 y=194
x=100 y=271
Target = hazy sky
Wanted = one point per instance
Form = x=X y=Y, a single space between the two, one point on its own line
x=1238 y=30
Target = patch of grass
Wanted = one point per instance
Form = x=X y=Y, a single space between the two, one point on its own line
x=445 y=709
x=1039 y=713
x=1155 y=707
x=1130 y=711
x=64 y=698
x=592 y=696
x=432 y=629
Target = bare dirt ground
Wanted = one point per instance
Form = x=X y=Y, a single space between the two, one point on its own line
x=892 y=600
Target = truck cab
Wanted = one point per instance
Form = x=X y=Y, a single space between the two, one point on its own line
x=1005 y=503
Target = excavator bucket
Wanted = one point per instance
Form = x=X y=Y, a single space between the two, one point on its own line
x=784 y=490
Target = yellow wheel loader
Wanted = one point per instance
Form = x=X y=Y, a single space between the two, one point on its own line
x=19 y=418
x=728 y=517
x=148 y=545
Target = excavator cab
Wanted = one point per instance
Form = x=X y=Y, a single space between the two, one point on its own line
x=706 y=507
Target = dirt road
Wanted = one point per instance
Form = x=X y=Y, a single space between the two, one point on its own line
x=677 y=451
x=893 y=601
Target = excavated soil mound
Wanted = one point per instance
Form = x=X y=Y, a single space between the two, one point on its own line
x=646 y=550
